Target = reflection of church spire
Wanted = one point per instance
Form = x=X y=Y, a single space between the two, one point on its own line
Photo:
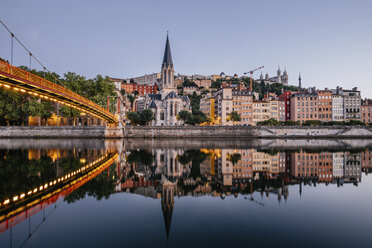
x=167 y=204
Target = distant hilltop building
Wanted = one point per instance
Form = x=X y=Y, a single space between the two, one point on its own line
x=281 y=79
x=167 y=104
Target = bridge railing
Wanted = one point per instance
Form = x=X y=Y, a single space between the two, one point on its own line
x=45 y=84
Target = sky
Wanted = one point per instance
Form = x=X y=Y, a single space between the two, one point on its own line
x=328 y=42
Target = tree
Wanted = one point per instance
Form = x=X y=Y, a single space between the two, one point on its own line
x=131 y=98
x=188 y=83
x=291 y=123
x=234 y=158
x=146 y=116
x=234 y=116
x=134 y=118
x=186 y=116
x=269 y=122
x=70 y=113
x=312 y=123
x=216 y=84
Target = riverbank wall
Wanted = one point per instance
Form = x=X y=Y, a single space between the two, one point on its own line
x=248 y=132
x=219 y=132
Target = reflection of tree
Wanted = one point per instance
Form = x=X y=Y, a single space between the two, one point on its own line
x=141 y=156
x=102 y=186
x=234 y=158
x=19 y=174
x=196 y=157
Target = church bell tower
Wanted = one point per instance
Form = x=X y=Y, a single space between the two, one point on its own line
x=167 y=70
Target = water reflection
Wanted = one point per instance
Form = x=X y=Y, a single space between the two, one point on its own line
x=166 y=173
x=34 y=181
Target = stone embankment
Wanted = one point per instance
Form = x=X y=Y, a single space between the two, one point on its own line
x=248 y=132
x=219 y=132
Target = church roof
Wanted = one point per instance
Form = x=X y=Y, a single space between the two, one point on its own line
x=185 y=98
x=152 y=104
x=172 y=94
x=167 y=60
x=155 y=97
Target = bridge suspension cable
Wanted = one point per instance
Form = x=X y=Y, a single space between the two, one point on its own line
x=29 y=52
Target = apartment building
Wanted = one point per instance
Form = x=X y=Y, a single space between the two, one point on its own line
x=261 y=111
x=277 y=109
x=207 y=107
x=325 y=112
x=242 y=103
x=132 y=88
x=286 y=98
x=304 y=106
x=223 y=106
x=366 y=110
x=352 y=104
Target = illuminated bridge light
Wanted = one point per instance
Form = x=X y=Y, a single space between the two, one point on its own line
x=6 y=201
x=58 y=180
x=16 y=89
x=35 y=190
x=45 y=186
x=29 y=192
x=22 y=195
x=55 y=181
x=15 y=198
x=7 y=86
x=41 y=188
x=51 y=183
x=22 y=90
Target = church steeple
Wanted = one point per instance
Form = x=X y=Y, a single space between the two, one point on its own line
x=299 y=81
x=167 y=71
x=167 y=59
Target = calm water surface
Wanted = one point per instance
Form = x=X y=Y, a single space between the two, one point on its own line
x=163 y=194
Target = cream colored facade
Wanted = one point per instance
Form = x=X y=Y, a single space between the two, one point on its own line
x=223 y=106
x=261 y=111
x=242 y=103
x=277 y=110
x=207 y=107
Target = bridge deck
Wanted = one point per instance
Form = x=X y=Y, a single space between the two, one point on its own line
x=20 y=80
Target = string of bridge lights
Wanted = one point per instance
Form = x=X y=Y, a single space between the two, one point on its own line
x=62 y=179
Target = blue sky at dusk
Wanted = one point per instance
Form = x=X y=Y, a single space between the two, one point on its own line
x=329 y=42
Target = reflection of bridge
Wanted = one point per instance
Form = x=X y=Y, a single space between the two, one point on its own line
x=16 y=79
x=21 y=207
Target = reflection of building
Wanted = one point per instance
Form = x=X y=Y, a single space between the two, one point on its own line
x=366 y=161
x=304 y=165
x=167 y=203
x=353 y=168
x=338 y=164
x=226 y=172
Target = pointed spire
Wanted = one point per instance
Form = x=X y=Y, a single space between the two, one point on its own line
x=167 y=59
x=299 y=81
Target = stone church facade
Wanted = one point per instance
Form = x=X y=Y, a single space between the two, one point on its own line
x=167 y=104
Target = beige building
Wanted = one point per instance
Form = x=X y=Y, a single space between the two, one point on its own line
x=304 y=106
x=190 y=90
x=223 y=106
x=206 y=83
x=261 y=111
x=207 y=107
x=277 y=109
x=242 y=103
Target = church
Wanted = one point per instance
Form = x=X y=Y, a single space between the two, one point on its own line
x=167 y=104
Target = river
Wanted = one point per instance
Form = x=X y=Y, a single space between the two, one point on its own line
x=185 y=193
